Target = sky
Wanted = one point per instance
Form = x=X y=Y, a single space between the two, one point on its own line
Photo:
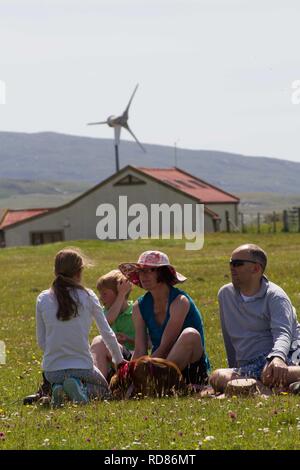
x=212 y=74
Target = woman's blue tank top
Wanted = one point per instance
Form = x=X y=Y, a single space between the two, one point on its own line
x=193 y=318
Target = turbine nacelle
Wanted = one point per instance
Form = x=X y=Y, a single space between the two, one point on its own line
x=114 y=121
x=120 y=121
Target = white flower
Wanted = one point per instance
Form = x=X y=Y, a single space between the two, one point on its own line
x=209 y=438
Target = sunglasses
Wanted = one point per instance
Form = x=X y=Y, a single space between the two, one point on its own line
x=240 y=262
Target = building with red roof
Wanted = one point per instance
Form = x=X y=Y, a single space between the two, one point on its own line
x=191 y=185
x=12 y=216
x=142 y=188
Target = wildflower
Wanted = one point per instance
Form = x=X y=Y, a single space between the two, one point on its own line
x=180 y=433
x=46 y=442
x=88 y=440
x=2 y=436
x=232 y=415
x=209 y=438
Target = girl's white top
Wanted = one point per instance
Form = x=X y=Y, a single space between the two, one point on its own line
x=66 y=343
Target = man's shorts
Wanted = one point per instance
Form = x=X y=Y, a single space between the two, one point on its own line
x=255 y=367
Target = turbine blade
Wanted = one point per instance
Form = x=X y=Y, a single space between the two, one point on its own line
x=125 y=114
x=96 y=123
x=130 y=132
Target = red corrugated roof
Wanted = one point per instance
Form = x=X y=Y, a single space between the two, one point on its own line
x=190 y=184
x=2 y=214
x=13 y=216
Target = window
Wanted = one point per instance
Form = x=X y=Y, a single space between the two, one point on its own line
x=185 y=183
x=2 y=239
x=40 y=238
x=171 y=183
x=197 y=183
x=128 y=181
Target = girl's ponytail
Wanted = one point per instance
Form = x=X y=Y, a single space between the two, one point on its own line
x=68 y=264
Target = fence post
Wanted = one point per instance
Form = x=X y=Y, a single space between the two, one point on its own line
x=285 y=221
x=274 y=222
x=227 y=221
x=258 y=222
x=242 y=223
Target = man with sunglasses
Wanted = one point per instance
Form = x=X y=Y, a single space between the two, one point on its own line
x=259 y=325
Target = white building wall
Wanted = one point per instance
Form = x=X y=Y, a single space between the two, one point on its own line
x=221 y=209
x=78 y=220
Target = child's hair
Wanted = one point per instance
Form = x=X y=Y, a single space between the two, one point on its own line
x=68 y=262
x=110 y=281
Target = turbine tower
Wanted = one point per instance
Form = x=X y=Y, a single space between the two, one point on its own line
x=117 y=122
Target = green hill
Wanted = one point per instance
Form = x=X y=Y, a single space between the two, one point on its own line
x=49 y=156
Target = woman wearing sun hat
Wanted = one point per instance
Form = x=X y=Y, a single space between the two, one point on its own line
x=169 y=314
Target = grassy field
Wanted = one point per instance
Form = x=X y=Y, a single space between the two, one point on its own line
x=169 y=423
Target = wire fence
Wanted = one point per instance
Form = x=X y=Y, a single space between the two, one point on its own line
x=284 y=221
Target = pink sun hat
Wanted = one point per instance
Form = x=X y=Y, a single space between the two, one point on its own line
x=149 y=259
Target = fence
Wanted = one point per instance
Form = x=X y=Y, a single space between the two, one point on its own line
x=286 y=221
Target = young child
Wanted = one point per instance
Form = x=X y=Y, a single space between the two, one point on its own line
x=111 y=286
x=64 y=315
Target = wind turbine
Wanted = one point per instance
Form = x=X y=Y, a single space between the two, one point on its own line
x=117 y=122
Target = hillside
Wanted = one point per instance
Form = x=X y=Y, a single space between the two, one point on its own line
x=56 y=157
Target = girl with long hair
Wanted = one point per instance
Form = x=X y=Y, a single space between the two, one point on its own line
x=64 y=315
